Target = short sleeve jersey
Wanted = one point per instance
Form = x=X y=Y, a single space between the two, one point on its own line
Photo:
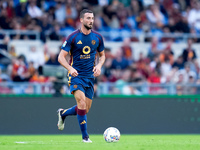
x=83 y=49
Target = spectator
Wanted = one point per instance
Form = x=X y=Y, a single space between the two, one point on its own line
x=186 y=73
x=183 y=4
x=155 y=16
x=122 y=15
x=21 y=9
x=33 y=10
x=119 y=62
x=45 y=24
x=134 y=9
x=127 y=49
x=3 y=79
x=10 y=10
x=5 y=22
x=51 y=15
x=191 y=89
x=33 y=25
x=174 y=13
x=155 y=48
x=166 y=31
x=71 y=13
x=16 y=25
x=60 y=13
x=165 y=68
x=122 y=86
x=110 y=17
x=54 y=34
x=106 y=71
x=154 y=62
x=194 y=16
x=182 y=25
x=98 y=26
x=167 y=53
x=108 y=53
x=46 y=53
x=155 y=75
x=31 y=69
x=12 y=52
x=143 y=65
x=19 y=70
x=171 y=24
x=179 y=64
x=180 y=82
x=36 y=57
x=53 y=60
x=136 y=75
x=4 y=45
x=189 y=53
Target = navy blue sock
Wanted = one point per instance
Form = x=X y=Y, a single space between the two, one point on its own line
x=69 y=112
x=82 y=120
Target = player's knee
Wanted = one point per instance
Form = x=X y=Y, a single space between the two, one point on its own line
x=82 y=104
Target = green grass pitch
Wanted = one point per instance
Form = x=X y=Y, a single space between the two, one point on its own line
x=126 y=142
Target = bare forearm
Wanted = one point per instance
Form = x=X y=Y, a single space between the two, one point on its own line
x=101 y=60
x=62 y=60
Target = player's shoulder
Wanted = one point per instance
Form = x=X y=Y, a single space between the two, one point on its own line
x=97 y=33
x=73 y=34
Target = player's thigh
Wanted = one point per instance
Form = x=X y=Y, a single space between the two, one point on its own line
x=88 y=104
x=80 y=99
x=89 y=94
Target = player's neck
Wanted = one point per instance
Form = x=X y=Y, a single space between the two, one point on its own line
x=85 y=31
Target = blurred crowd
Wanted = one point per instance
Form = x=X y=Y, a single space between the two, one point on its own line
x=54 y=17
x=159 y=66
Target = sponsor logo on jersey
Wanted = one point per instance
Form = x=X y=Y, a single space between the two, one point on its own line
x=79 y=42
x=86 y=49
x=85 y=56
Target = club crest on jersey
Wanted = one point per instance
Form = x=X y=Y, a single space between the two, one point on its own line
x=93 y=42
x=75 y=86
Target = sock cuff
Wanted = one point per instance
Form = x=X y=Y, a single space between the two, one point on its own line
x=81 y=112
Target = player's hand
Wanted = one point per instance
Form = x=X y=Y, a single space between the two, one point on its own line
x=73 y=72
x=97 y=70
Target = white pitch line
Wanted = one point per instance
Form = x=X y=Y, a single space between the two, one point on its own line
x=20 y=142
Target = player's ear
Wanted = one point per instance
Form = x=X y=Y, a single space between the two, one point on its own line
x=81 y=20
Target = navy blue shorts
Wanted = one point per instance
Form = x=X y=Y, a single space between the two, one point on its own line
x=86 y=85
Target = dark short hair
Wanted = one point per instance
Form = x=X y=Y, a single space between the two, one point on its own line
x=82 y=13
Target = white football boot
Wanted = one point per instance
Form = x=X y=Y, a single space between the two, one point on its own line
x=87 y=140
x=61 y=123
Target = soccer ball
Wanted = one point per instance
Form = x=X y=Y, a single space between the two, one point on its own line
x=111 y=134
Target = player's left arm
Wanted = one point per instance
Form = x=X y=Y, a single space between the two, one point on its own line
x=97 y=68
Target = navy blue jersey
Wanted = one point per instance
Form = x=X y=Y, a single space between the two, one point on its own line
x=83 y=49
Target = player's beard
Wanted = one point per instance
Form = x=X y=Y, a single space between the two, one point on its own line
x=87 y=27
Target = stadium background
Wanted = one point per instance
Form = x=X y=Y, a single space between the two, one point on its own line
x=152 y=49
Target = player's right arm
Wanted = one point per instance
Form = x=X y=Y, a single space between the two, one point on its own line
x=62 y=60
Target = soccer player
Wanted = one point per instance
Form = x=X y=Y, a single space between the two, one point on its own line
x=83 y=45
